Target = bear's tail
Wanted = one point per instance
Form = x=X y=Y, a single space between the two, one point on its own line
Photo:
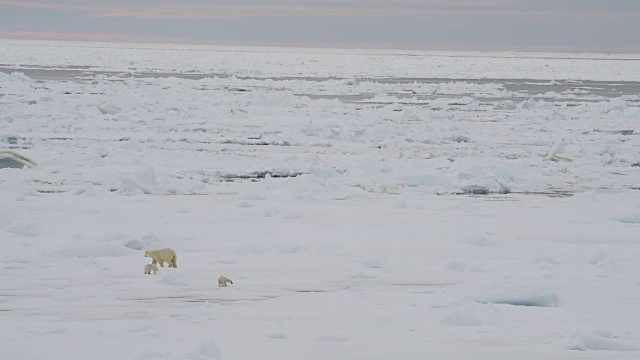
x=175 y=261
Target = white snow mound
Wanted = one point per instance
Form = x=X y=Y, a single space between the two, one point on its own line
x=600 y=340
x=517 y=296
x=630 y=217
x=173 y=279
x=205 y=351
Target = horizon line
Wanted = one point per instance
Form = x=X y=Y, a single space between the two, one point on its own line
x=79 y=37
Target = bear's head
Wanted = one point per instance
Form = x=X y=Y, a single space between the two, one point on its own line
x=146 y=253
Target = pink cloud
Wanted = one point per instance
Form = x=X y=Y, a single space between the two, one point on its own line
x=107 y=37
x=62 y=36
x=347 y=8
x=51 y=5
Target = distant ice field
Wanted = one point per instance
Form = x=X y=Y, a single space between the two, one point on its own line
x=323 y=63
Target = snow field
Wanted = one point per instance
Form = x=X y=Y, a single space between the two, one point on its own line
x=358 y=218
x=362 y=277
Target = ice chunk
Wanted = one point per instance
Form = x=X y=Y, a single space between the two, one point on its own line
x=630 y=217
x=517 y=296
x=143 y=181
x=15 y=77
x=174 y=279
x=600 y=340
x=602 y=261
x=108 y=109
x=322 y=172
x=597 y=258
x=134 y=145
x=207 y=351
x=17 y=187
x=25 y=229
x=7 y=119
x=90 y=190
x=145 y=242
x=557 y=148
x=615 y=132
x=475 y=190
x=558 y=157
x=533 y=104
x=98 y=161
x=375 y=263
x=9 y=139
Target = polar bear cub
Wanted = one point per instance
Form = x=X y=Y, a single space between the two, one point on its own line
x=223 y=280
x=149 y=268
x=163 y=255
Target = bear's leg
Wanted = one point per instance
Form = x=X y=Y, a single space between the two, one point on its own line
x=161 y=262
x=153 y=262
x=174 y=262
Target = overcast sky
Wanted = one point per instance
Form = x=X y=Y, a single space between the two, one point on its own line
x=537 y=25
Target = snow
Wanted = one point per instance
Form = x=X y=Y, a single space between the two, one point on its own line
x=600 y=340
x=14 y=77
x=174 y=280
x=358 y=215
x=462 y=318
x=632 y=216
x=354 y=64
x=518 y=296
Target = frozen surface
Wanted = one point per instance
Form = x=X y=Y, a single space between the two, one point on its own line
x=358 y=218
x=341 y=63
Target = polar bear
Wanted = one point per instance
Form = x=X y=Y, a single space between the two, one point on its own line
x=149 y=268
x=223 y=280
x=162 y=255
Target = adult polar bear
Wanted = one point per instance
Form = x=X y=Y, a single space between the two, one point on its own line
x=162 y=255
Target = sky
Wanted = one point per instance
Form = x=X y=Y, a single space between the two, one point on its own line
x=502 y=25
